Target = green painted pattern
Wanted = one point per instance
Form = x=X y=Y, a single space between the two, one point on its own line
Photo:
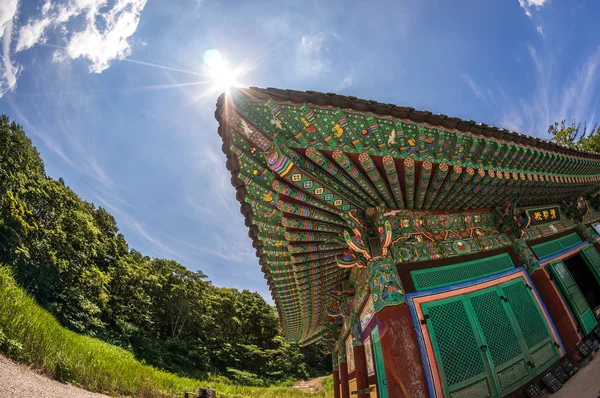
x=446 y=189
x=344 y=161
x=423 y=184
x=375 y=177
x=320 y=159
x=458 y=187
x=457 y=273
x=409 y=181
x=392 y=176
x=438 y=180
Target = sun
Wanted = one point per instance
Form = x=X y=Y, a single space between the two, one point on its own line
x=220 y=72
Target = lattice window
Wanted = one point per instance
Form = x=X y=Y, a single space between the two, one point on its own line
x=554 y=246
x=456 y=273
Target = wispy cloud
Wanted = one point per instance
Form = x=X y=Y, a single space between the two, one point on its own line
x=62 y=132
x=8 y=71
x=540 y=30
x=473 y=86
x=347 y=82
x=309 y=57
x=137 y=227
x=553 y=100
x=529 y=5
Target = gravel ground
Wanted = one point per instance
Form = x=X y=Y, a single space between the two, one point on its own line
x=17 y=381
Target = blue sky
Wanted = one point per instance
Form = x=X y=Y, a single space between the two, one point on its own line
x=117 y=97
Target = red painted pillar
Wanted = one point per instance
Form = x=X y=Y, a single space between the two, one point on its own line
x=336 y=383
x=401 y=355
x=344 y=380
x=360 y=363
x=559 y=313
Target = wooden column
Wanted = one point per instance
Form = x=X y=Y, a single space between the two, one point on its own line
x=360 y=364
x=558 y=310
x=336 y=383
x=401 y=355
x=344 y=380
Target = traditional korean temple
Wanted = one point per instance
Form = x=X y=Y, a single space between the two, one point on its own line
x=431 y=256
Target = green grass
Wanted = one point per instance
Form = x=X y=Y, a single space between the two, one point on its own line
x=328 y=385
x=30 y=334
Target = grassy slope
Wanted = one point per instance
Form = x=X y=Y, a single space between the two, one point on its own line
x=29 y=333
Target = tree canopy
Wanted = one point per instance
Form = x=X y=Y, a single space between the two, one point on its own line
x=573 y=136
x=70 y=256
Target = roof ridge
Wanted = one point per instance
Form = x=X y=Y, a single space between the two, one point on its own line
x=405 y=112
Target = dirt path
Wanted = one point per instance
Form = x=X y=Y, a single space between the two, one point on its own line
x=17 y=381
x=312 y=385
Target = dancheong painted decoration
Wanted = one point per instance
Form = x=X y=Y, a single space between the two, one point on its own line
x=463 y=255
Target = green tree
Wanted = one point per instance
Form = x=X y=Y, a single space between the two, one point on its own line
x=70 y=256
x=573 y=136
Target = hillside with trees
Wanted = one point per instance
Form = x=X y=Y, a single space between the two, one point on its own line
x=70 y=256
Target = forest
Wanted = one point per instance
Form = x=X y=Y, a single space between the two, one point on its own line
x=69 y=255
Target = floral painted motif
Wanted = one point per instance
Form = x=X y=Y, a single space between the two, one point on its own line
x=386 y=289
x=525 y=254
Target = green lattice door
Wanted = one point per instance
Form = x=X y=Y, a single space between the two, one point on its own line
x=531 y=327
x=490 y=342
x=500 y=341
x=592 y=259
x=379 y=365
x=457 y=346
x=570 y=291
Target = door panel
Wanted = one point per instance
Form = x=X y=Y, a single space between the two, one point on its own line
x=531 y=327
x=507 y=356
x=490 y=342
x=592 y=259
x=460 y=360
x=572 y=294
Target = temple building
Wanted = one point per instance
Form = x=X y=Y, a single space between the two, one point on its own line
x=431 y=256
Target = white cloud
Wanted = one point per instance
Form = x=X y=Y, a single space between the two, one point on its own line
x=103 y=37
x=552 y=101
x=8 y=10
x=8 y=71
x=527 y=5
x=347 y=82
x=309 y=59
x=540 y=30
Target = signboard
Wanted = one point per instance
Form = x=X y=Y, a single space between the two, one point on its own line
x=543 y=215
